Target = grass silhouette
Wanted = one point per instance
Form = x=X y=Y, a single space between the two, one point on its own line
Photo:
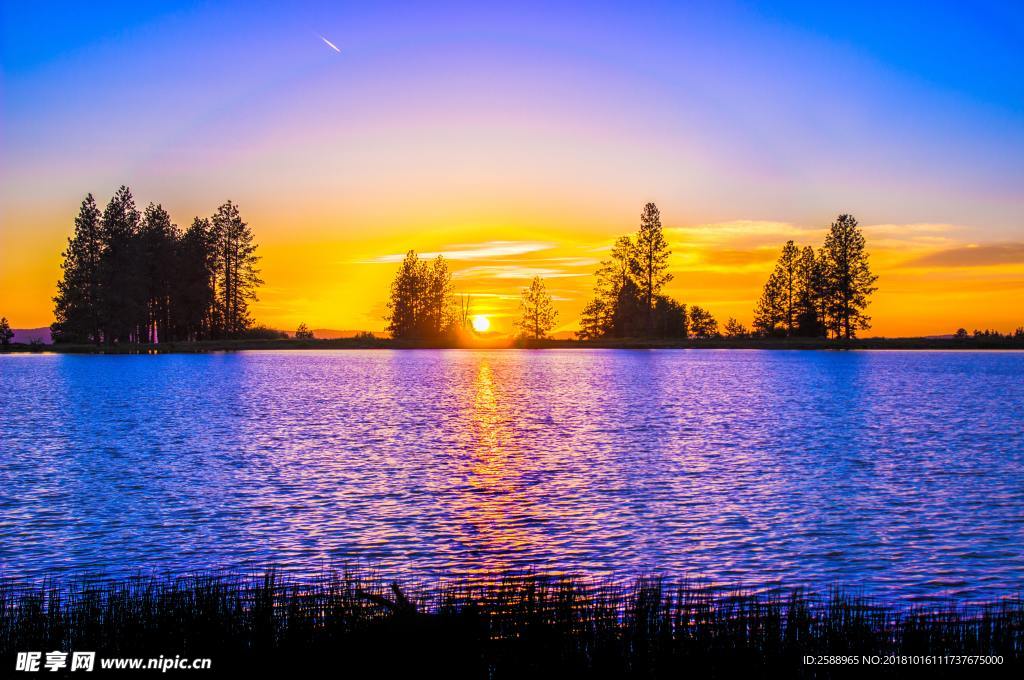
x=509 y=627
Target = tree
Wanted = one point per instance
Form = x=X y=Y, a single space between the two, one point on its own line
x=420 y=304
x=650 y=261
x=627 y=300
x=437 y=317
x=6 y=334
x=777 y=312
x=809 y=295
x=538 y=314
x=235 y=270
x=303 y=332
x=670 y=318
x=848 y=278
x=608 y=314
x=770 y=314
x=194 y=286
x=121 y=303
x=734 y=329
x=702 y=323
x=76 y=305
x=961 y=334
x=157 y=269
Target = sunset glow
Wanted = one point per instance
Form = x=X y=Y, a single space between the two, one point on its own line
x=518 y=147
x=481 y=324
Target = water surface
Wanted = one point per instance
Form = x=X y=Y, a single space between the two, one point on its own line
x=900 y=473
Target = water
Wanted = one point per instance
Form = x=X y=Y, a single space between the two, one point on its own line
x=898 y=473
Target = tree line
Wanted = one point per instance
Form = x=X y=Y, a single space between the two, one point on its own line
x=131 y=276
x=823 y=293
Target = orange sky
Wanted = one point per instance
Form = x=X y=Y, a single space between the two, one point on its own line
x=933 y=278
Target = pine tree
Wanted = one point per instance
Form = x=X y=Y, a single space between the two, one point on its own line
x=650 y=260
x=437 y=303
x=121 y=300
x=603 y=316
x=158 y=237
x=194 y=286
x=776 y=312
x=6 y=334
x=809 y=295
x=734 y=329
x=702 y=323
x=769 y=314
x=405 y=297
x=537 y=313
x=848 y=278
x=77 y=303
x=237 y=275
x=421 y=304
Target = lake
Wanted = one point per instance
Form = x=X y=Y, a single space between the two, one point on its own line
x=897 y=473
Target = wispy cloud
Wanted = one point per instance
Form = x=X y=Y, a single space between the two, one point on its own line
x=487 y=250
x=511 y=271
x=973 y=255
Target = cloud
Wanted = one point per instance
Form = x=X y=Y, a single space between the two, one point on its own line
x=487 y=250
x=512 y=271
x=973 y=255
x=730 y=257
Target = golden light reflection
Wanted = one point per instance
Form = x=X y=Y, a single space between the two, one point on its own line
x=496 y=504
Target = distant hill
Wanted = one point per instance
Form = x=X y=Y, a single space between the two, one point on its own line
x=27 y=335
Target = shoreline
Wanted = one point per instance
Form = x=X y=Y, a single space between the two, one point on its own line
x=208 y=346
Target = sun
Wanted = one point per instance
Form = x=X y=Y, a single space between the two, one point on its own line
x=481 y=323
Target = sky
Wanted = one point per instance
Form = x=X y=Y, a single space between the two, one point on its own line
x=521 y=139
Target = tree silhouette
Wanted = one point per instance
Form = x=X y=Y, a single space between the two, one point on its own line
x=194 y=286
x=538 y=314
x=627 y=300
x=121 y=298
x=777 y=311
x=303 y=332
x=650 y=260
x=702 y=323
x=734 y=329
x=235 y=270
x=420 y=307
x=6 y=334
x=770 y=313
x=77 y=303
x=810 y=295
x=158 y=268
x=848 y=278
x=131 y=277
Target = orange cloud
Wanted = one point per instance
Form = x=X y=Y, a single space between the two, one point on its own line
x=973 y=255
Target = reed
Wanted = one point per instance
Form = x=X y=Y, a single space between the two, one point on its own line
x=514 y=626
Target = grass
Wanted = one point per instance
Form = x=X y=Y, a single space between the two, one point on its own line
x=352 y=624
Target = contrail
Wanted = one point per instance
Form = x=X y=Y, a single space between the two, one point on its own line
x=330 y=44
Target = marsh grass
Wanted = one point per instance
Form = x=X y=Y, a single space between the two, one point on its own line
x=354 y=623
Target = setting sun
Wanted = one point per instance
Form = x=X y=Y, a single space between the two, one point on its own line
x=481 y=324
